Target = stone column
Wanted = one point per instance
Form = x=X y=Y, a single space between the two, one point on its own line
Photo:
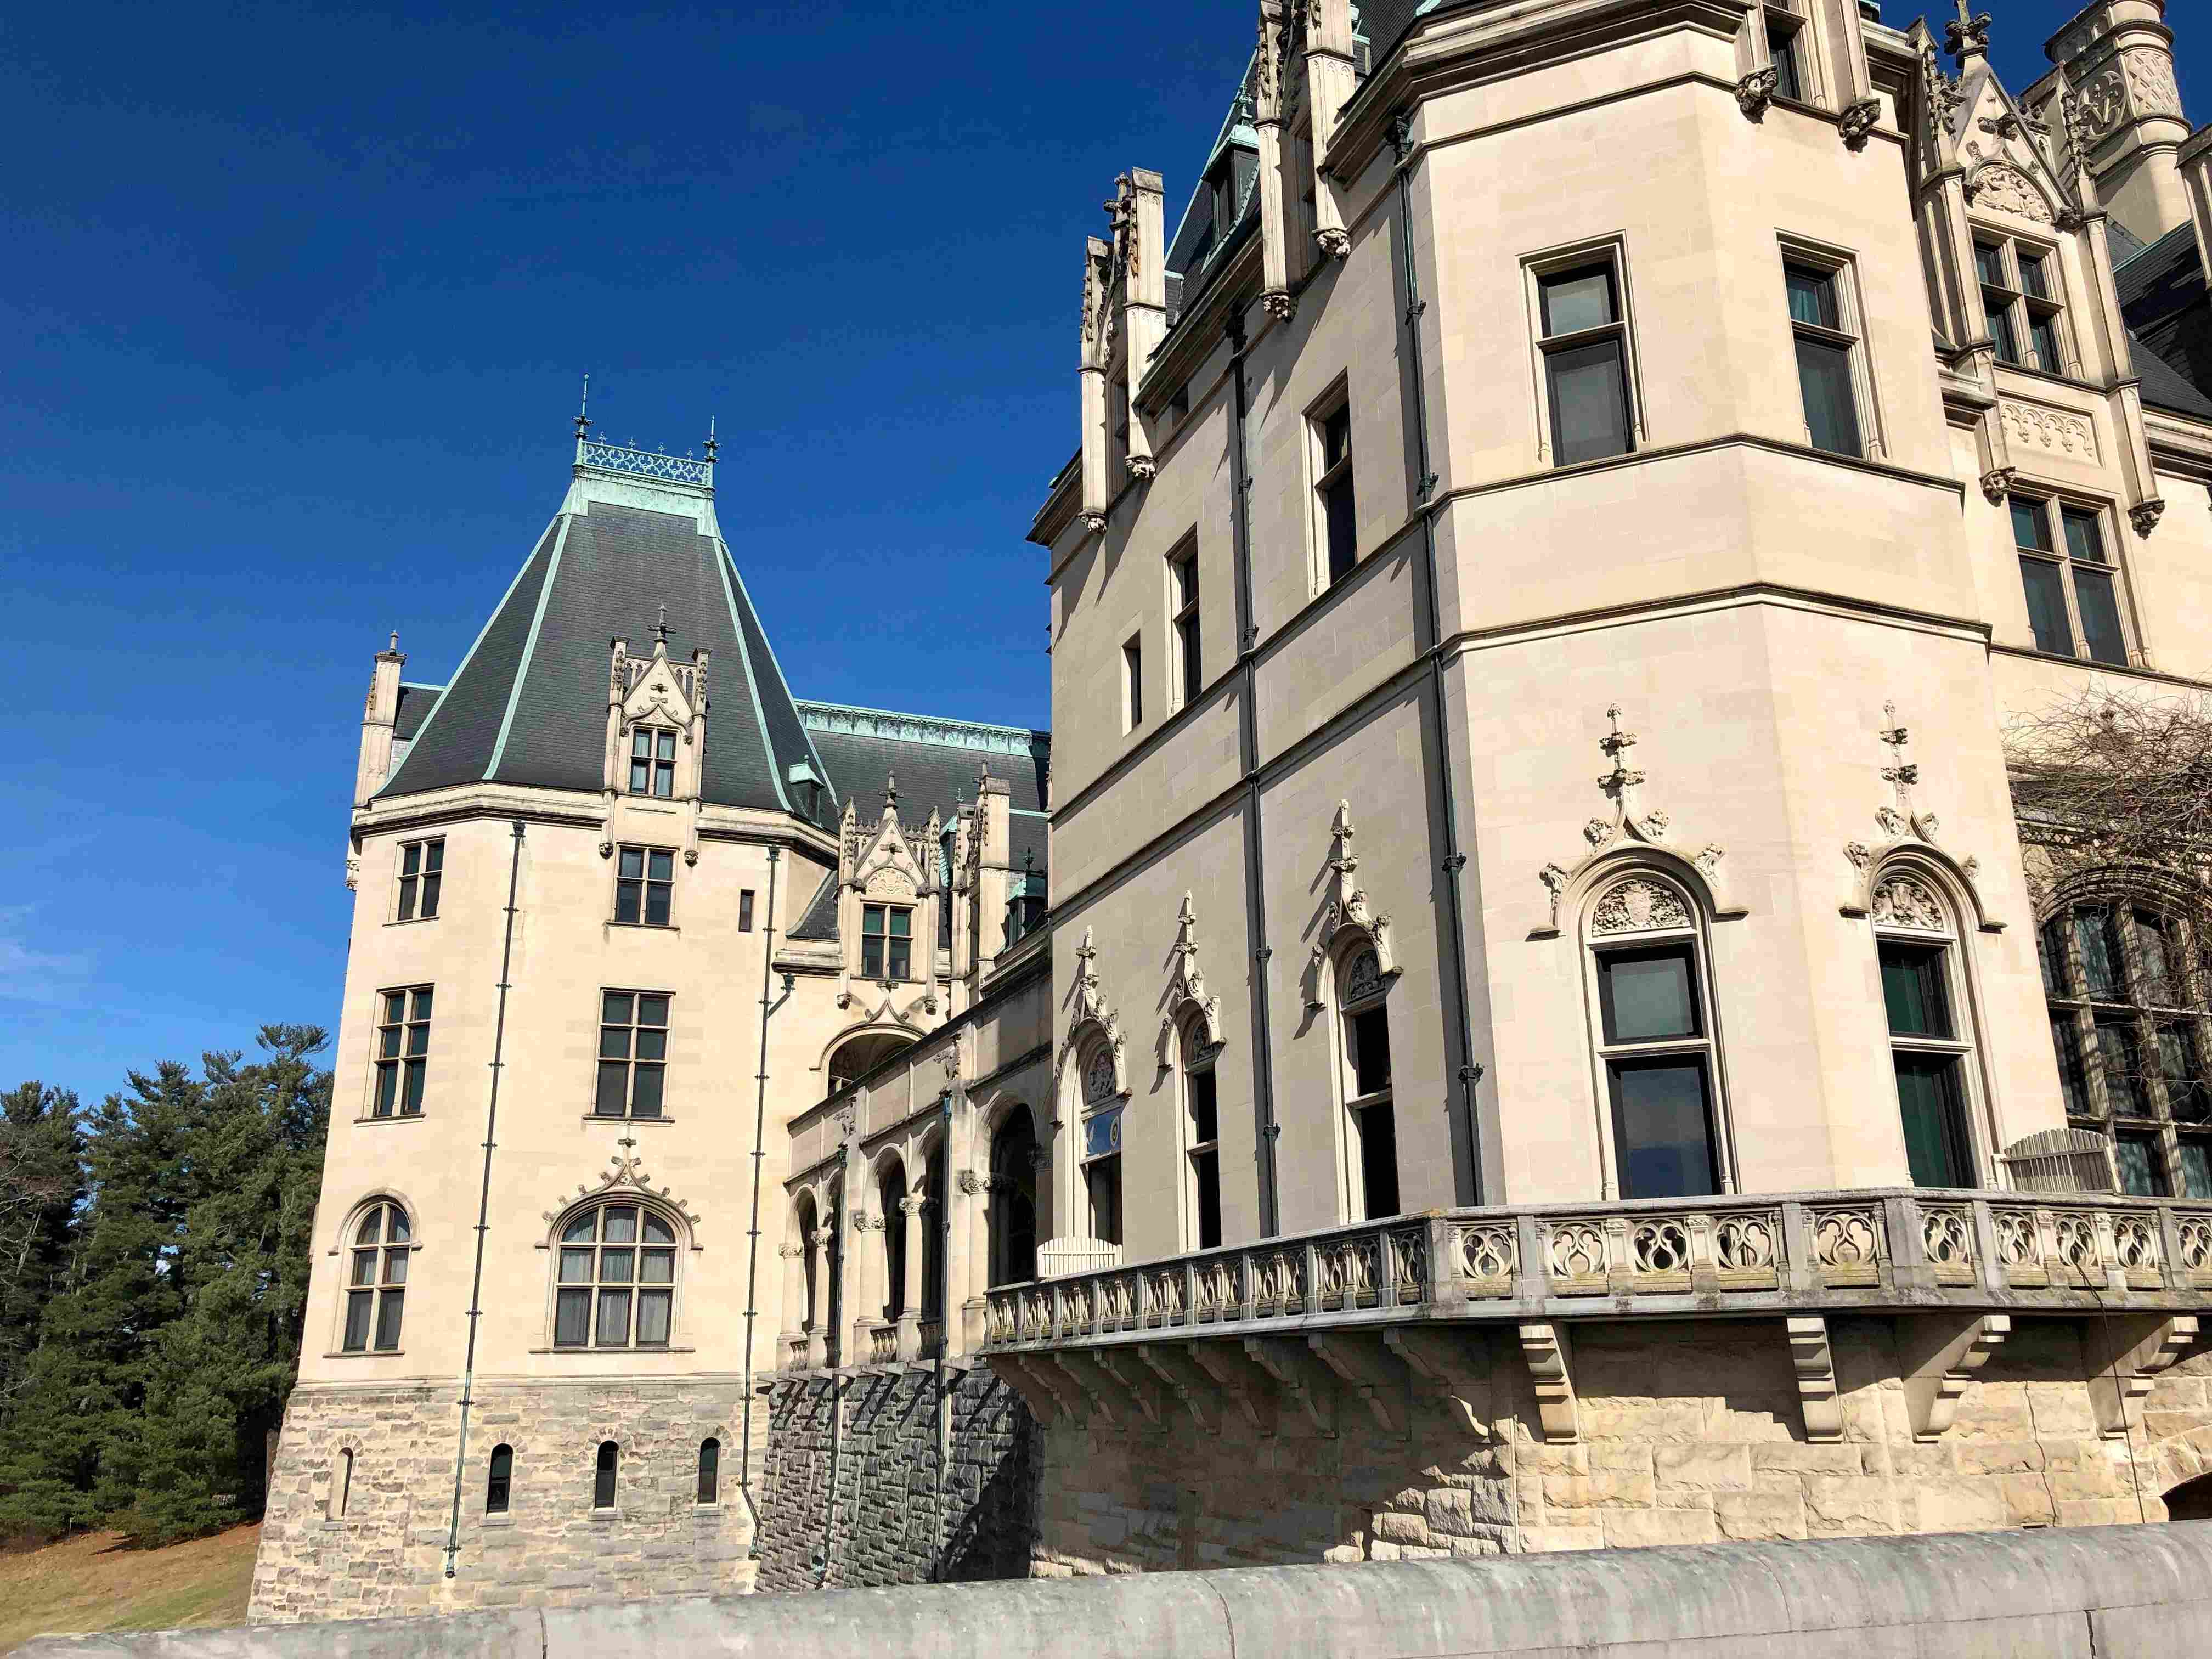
x=911 y=1208
x=818 y=1335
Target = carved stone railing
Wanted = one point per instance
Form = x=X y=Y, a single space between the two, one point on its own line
x=645 y=463
x=793 y=1349
x=882 y=1342
x=1881 y=1248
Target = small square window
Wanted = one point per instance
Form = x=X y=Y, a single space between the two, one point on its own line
x=644 y=881
x=653 y=762
x=422 y=873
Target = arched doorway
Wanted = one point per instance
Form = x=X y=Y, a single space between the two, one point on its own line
x=1013 y=1200
x=2192 y=1500
x=856 y=1058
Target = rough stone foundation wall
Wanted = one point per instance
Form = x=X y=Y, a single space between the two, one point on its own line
x=1691 y=1433
x=883 y=1526
x=385 y=1554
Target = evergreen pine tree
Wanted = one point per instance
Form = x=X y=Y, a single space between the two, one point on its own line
x=41 y=1186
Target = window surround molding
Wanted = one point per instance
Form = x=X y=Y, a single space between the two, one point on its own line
x=1321 y=473
x=1094 y=1029
x=1909 y=832
x=1187 y=1001
x=342 y=1246
x=893 y=863
x=1550 y=262
x=1348 y=911
x=626 y=1179
x=2054 y=500
x=1643 y=921
x=644 y=881
x=1842 y=265
x=672 y=1211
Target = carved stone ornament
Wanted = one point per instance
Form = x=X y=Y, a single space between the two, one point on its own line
x=1904 y=825
x=2145 y=514
x=353 y=872
x=2150 y=81
x=1942 y=92
x=1996 y=484
x=1280 y=304
x=1334 y=243
x=1090 y=1019
x=1857 y=123
x=865 y=1223
x=1901 y=902
x=1140 y=466
x=1640 y=905
x=1095 y=522
x=624 y=1176
x=1968 y=36
x=791 y=1252
x=2000 y=185
x=1347 y=909
x=1755 y=91
x=969 y=1181
x=1186 y=997
x=1631 y=825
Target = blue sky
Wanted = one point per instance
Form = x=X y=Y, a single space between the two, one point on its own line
x=295 y=305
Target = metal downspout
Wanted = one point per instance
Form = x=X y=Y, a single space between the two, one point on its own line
x=835 y=1268
x=937 y=1404
x=484 y=1200
x=752 y=1238
x=1455 y=861
x=1248 y=738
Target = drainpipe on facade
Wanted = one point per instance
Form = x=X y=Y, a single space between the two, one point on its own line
x=1455 y=861
x=1248 y=737
x=484 y=1200
x=835 y=1266
x=944 y=1311
x=752 y=1238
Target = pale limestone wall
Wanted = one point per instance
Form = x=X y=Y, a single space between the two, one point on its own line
x=1692 y=1432
x=385 y=1554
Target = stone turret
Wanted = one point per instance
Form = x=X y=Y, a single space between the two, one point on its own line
x=379 y=721
x=2116 y=59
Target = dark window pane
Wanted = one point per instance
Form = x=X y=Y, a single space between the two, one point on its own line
x=614 y=1042
x=395 y=1266
x=421 y=997
x=581 y=1230
x=1336 y=438
x=645 y=1099
x=2195 y=1170
x=1812 y=295
x=2046 y=606
x=871 y=918
x=576 y=1265
x=614 y=1078
x=619 y=1225
x=640 y=776
x=658 y=1231
x=1589 y=403
x=407 y=899
x=390 y=1304
x=1203 y=1116
x=745 y=911
x=2138 y=1158
x=387 y=1087
x=656 y=903
x=1789 y=78
x=434 y=856
x=2073 y=1083
x=2154 y=978
x=1989 y=265
x=1187 y=636
x=1102 y=1182
x=652 y=1319
x=603 y=1478
x=2100 y=615
x=2033 y=279
x=902 y=923
x=661 y=867
x=400 y=1231
x=1378 y=1160
x=500 y=1481
x=1660 y=1129
x=614 y=1319
x=2185 y=1078
x=627 y=897
x=410 y=1098
x=572 y=1319
x=1935 y=1136
x=652 y=1043
x=1205 y=1171
x=2043 y=334
x=901 y=960
x=430 y=885
x=872 y=957
x=2051 y=953
x=1369 y=1031
x=410 y=859
x=356 y=1327
x=710 y=1471
x=2126 y=1091
x=395 y=1005
x=1912 y=989
x=614 y=1008
x=666 y=749
x=2001 y=329
x=2031 y=524
x=1342 y=527
x=418 y=1041
x=656 y=1267
x=1578 y=299
x=640 y=742
x=364 y=1266
x=1647 y=995
x=615 y=1266
x=2096 y=936
x=633 y=863
x=1831 y=414
x=652 y=1011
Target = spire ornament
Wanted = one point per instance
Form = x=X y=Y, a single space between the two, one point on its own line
x=1187 y=993
x=1347 y=910
x=1968 y=38
x=1907 y=827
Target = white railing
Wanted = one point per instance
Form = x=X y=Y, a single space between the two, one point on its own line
x=1865 y=1248
x=644 y=462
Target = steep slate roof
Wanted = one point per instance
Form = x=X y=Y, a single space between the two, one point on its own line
x=819 y=919
x=2169 y=315
x=528 y=704
x=935 y=760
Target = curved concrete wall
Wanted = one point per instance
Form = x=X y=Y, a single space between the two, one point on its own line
x=2101 y=1592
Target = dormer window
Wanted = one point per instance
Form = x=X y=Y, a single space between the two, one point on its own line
x=886 y=942
x=653 y=762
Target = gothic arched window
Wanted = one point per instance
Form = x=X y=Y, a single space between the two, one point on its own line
x=1201 y=1130
x=616 y=1285
x=2126 y=1017
x=1371 y=1109
x=376 y=1278
x=499 y=1481
x=1931 y=1026
x=1013 y=1200
x=1655 y=1039
x=603 y=1472
x=710 y=1471
x=891 y=1195
x=1102 y=1144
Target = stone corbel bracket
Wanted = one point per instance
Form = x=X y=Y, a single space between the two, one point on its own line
x=1300 y=1375
x=1939 y=1355
x=1545 y=1348
x=1816 y=1365
x=1374 y=1374
x=2126 y=1352
x=1191 y=1388
x=1857 y=123
x=1137 y=1382
x=1457 y=1374
x=1249 y=1389
x=1036 y=1392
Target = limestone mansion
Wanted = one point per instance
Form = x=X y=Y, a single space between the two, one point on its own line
x=1510 y=1013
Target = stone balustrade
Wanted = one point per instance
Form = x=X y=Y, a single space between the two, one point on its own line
x=1869 y=1250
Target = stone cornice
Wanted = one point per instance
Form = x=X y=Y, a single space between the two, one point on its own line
x=922 y=728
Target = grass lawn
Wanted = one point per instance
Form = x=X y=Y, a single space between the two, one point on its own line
x=92 y=1583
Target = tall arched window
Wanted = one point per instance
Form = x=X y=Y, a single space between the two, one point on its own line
x=1101 y=1144
x=376 y=1278
x=2126 y=1017
x=710 y=1471
x=343 y=1496
x=603 y=1475
x=499 y=1483
x=932 y=1233
x=1655 y=1039
x=809 y=1225
x=616 y=1286
x=1013 y=1200
x=1202 y=1129
x=1924 y=995
x=1371 y=1109
x=890 y=1194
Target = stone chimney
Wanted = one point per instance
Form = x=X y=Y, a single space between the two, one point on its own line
x=2117 y=58
x=378 y=722
x=1142 y=255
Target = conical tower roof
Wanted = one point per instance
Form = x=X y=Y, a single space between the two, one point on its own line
x=636 y=538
